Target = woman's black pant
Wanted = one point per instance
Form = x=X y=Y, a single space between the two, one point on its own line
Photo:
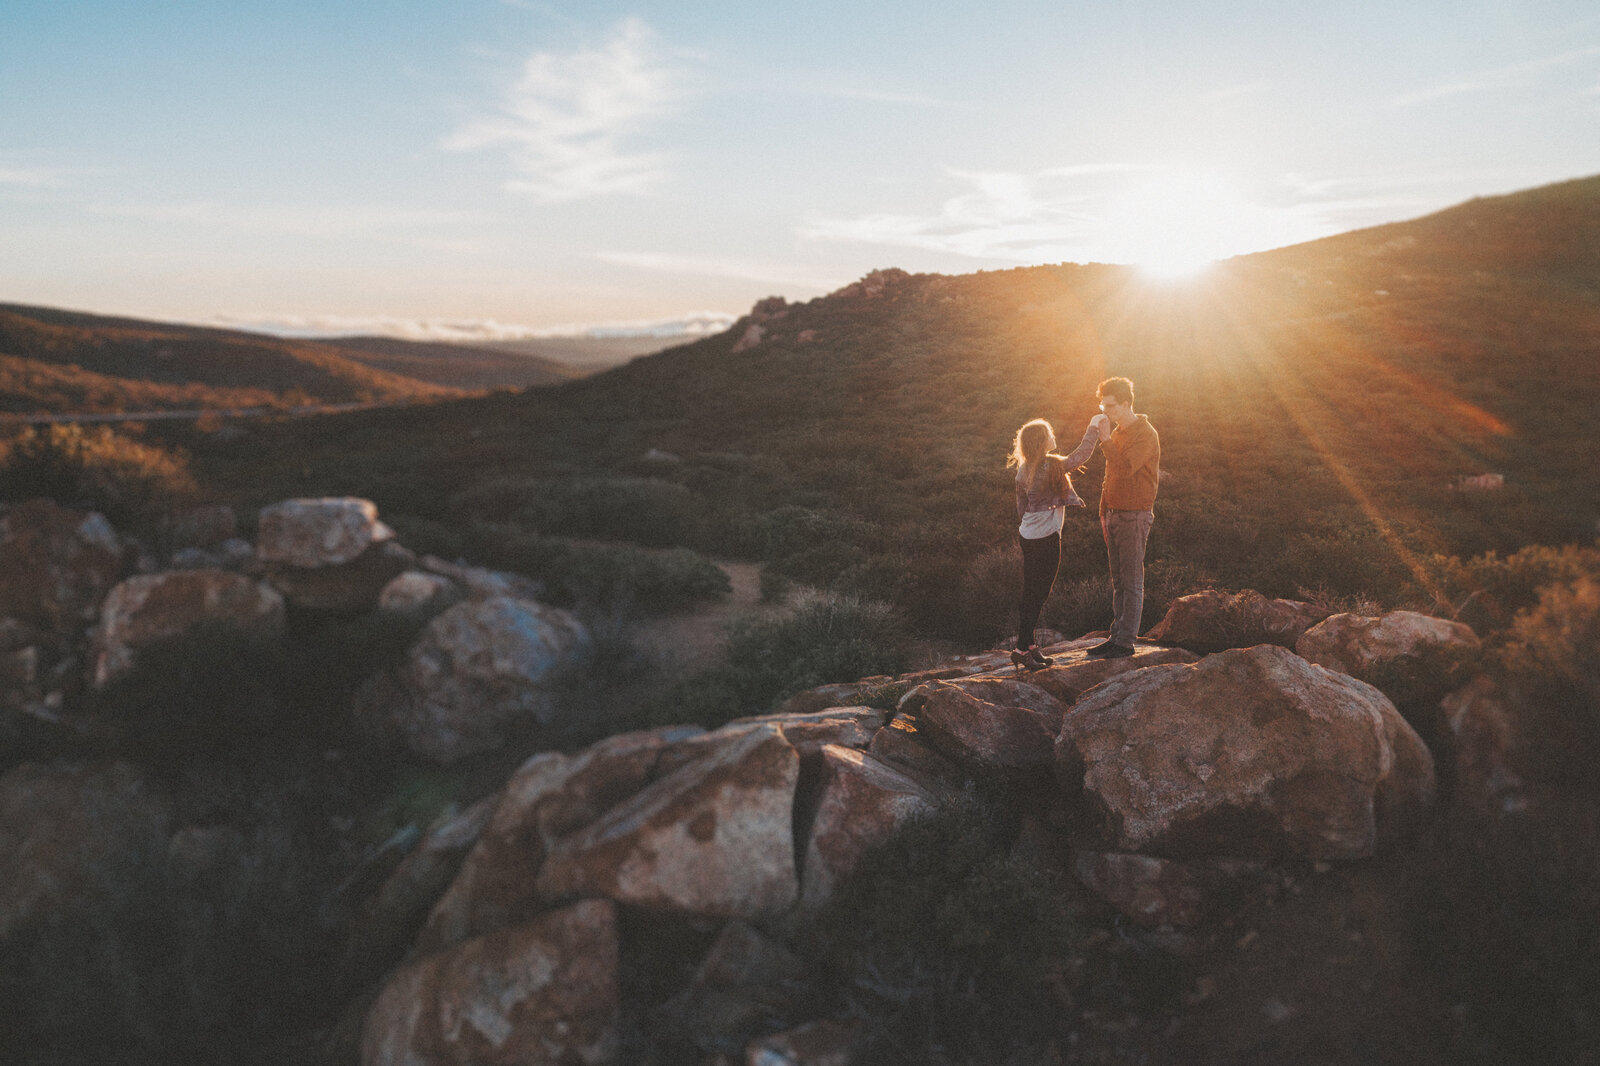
x=1040 y=559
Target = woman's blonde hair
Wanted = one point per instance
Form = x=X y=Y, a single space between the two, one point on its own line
x=1033 y=442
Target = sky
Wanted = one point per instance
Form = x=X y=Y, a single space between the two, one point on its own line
x=496 y=168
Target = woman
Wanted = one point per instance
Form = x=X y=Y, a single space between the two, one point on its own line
x=1044 y=492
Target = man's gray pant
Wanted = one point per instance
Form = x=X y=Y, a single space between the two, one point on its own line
x=1126 y=533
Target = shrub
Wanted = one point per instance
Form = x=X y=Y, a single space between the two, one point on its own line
x=948 y=948
x=216 y=964
x=1487 y=590
x=828 y=638
x=601 y=577
x=211 y=694
x=127 y=481
x=1550 y=663
x=643 y=510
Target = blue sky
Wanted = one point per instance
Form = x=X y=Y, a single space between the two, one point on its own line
x=494 y=166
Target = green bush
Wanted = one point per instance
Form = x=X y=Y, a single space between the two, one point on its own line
x=125 y=480
x=642 y=510
x=827 y=639
x=212 y=694
x=1487 y=591
x=947 y=947
x=216 y=964
x=601 y=577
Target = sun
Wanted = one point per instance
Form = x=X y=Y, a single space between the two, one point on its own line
x=1175 y=223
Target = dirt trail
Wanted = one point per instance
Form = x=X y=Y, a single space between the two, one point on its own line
x=694 y=640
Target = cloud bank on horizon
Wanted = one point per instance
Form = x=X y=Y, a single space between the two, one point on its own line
x=503 y=166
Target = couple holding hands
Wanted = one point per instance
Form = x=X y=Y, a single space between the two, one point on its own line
x=1127 y=509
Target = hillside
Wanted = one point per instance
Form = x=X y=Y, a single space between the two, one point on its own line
x=1317 y=405
x=457 y=366
x=186 y=366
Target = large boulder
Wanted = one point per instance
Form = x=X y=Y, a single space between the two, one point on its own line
x=551 y=797
x=712 y=837
x=1362 y=646
x=1212 y=620
x=480 y=673
x=853 y=727
x=72 y=840
x=56 y=565
x=1251 y=752
x=864 y=801
x=329 y=554
x=150 y=608
x=314 y=533
x=1073 y=673
x=417 y=592
x=543 y=993
x=997 y=728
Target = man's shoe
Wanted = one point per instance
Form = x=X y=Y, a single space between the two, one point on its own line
x=1116 y=651
x=1101 y=648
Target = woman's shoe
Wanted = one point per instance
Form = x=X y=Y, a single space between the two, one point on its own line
x=1038 y=656
x=1023 y=660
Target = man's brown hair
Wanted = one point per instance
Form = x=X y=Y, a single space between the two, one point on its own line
x=1118 y=389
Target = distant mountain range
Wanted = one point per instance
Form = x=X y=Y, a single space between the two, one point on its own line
x=66 y=361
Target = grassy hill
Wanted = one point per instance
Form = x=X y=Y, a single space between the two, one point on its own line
x=181 y=366
x=1316 y=405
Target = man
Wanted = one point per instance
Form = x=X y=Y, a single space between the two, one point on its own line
x=1127 y=508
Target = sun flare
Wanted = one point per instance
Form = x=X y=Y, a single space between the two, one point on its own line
x=1176 y=223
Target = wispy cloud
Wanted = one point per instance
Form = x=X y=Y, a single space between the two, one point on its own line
x=1117 y=212
x=1001 y=215
x=291 y=220
x=467 y=330
x=715 y=267
x=1508 y=77
x=570 y=122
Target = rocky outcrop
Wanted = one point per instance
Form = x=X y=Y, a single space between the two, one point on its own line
x=418 y=592
x=543 y=993
x=315 y=533
x=852 y=727
x=1071 y=675
x=329 y=554
x=1362 y=646
x=56 y=565
x=1251 y=752
x=864 y=802
x=1004 y=727
x=150 y=608
x=481 y=672
x=994 y=727
x=1212 y=620
x=549 y=798
x=714 y=837
x=74 y=839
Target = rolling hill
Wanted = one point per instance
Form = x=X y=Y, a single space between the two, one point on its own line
x=1317 y=405
x=66 y=361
